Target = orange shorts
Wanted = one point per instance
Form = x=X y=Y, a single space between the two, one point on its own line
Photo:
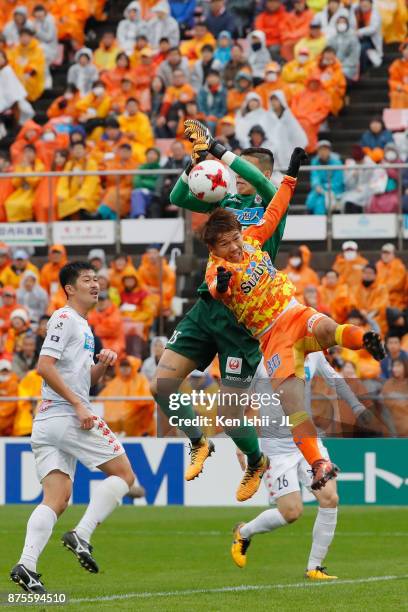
x=290 y=339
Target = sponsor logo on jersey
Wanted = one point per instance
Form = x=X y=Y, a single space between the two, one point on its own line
x=248 y=216
x=255 y=271
x=89 y=343
x=273 y=364
x=55 y=338
x=234 y=365
x=312 y=320
x=59 y=325
x=63 y=315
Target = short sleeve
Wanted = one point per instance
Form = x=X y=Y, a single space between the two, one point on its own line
x=59 y=331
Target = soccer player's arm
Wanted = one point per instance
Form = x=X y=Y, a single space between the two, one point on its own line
x=106 y=358
x=211 y=280
x=181 y=196
x=264 y=187
x=276 y=210
x=337 y=382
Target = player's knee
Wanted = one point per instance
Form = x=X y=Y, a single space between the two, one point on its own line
x=292 y=512
x=329 y=499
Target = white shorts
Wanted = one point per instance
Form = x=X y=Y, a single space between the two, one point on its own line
x=287 y=472
x=58 y=443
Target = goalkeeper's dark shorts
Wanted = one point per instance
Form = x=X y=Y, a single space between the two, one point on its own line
x=210 y=328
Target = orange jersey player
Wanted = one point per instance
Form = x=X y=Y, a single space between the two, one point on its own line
x=262 y=298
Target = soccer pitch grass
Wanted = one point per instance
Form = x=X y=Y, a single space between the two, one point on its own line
x=178 y=558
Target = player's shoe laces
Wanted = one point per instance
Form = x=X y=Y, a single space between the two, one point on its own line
x=199 y=453
x=374 y=345
x=252 y=479
x=323 y=471
x=81 y=549
x=28 y=580
x=239 y=546
x=319 y=573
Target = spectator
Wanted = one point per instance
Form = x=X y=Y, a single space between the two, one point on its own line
x=367 y=366
x=375 y=138
x=315 y=41
x=143 y=77
x=26 y=359
x=114 y=77
x=392 y=273
x=257 y=138
x=163 y=24
x=212 y=99
x=70 y=20
x=397 y=321
x=117 y=268
x=203 y=66
x=326 y=186
x=180 y=92
x=49 y=142
x=130 y=27
x=115 y=199
x=285 y=132
x=142 y=44
x=251 y=114
x=329 y=15
x=9 y=303
x=394 y=352
x=150 y=277
x=107 y=323
x=330 y=72
x=8 y=387
x=4 y=254
x=13 y=95
x=387 y=201
x=395 y=396
x=312 y=298
x=6 y=185
x=368 y=23
x=105 y=55
x=29 y=134
x=64 y=106
x=294 y=28
x=258 y=56
x=202 y=37
x=138 y=303
x=19 y=205
x=236 y=96
x=135 y=126
x=32 y=297
x=238 y=63
x=372 y=297
x=144 y=186
x=12 y=273
x=78 y=194
x=29 y=386
x=223 y=51
x=347 y=47
x=311 y=107
x=28 y=62
x=49 y=275
x=97 y=259
x=360 y=185
x=174 y=61
x=219 y=19
x=349 y=264
x=46 y=32
x=157 y=346
x=299 y=271
x=177 y=159
x=336 y=295
x=183 y=13
x=162 y=52
x=41 y=333
x=398 y=80
x=272 y=82
x=13 y=28
x=227 y=133
x=133 y=417
x=189 y=110
x=296 y=73
x=243 y=12
x=111 y=138
x=157 y=93
x=45 y=199
x=394 y=19
x=19 y=328
x=104 y=285
x=271 y=22
x=83 y=73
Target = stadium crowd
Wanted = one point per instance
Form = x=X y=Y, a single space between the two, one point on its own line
x=372 y=295
x=267 y=73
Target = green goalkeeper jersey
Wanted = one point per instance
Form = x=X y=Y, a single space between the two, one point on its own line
x=248 y=208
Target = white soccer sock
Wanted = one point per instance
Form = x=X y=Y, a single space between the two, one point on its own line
x=323 y=533
x=39 y=530
x=103 y=501
x=264 y=522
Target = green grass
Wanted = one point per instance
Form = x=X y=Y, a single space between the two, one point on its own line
x=154 y=550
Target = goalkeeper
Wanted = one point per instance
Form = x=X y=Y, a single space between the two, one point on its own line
x=209 y=327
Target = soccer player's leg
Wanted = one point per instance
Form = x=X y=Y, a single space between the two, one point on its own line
x=329 y=333
x=239 y=357
x=190 y=347
x=282 y=482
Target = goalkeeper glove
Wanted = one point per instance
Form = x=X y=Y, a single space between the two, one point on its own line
x=202 y=140
x=223 y=279
x=297 y=158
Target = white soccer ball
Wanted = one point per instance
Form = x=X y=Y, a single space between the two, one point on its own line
x=209 y=181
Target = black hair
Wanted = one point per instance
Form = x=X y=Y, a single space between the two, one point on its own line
x=131 y=99
x=207 y=48
x=125 y=145
x=111 y=122
x=328 y=48
x=264 y=155
x=44 y=317
x=70 y=273
x=39 y=7
x=27 y=31
x=370 y=266
x=29 y=147
x=78 y=142
x=164 y=39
